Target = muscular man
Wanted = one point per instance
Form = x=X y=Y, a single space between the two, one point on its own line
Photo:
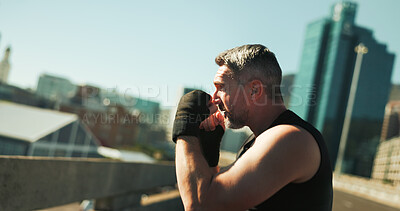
x=283 y=166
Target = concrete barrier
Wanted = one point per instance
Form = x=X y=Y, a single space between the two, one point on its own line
x=28 y=183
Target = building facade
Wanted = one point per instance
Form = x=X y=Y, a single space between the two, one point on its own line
x=387 y=160
x=113 y=127
x=322 y=85
x=55 y=88
x=32 y=131
x=391 y=122
x=15 y=94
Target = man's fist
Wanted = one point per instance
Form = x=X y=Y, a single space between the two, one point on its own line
x=192 y=110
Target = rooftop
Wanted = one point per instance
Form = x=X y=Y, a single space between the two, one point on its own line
x=29 y=123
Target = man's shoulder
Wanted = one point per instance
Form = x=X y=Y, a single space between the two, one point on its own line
x=294 y=143
x=285 y=132
x=285 y=135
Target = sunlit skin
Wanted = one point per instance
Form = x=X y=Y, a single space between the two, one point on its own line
x=215 y=118
x=234 y=103
x=229 y=97
x=280 y=155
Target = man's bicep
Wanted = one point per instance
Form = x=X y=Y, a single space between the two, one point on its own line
x=261 y=172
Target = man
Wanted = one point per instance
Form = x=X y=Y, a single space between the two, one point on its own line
x=284 y=167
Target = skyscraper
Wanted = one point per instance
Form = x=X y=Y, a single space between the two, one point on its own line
x=55 y=88
x=321 y=89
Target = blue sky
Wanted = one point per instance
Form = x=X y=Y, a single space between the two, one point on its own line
x=152 y=48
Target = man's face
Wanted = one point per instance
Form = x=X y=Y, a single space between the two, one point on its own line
x=230 y=98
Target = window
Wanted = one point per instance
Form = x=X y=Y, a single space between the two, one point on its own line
x=10 y=146
x=76 y=154
x=80 y=136
x=65 y=133
x=41 y=152
x=60 y=153
x=47 y=138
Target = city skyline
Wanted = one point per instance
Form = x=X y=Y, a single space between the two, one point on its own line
x=88 y=105
x=152 y=49
x=326 y=93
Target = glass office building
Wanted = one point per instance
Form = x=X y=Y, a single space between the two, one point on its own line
x=321 y=89
x=55 y=88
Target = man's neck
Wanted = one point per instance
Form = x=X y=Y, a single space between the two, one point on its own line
x=264 y=117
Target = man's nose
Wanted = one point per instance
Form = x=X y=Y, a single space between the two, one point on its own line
x=215 y=98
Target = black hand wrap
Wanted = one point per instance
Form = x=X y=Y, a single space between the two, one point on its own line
x=192 y=110
x=210 y=143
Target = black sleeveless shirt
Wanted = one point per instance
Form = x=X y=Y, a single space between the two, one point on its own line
x=312 y=195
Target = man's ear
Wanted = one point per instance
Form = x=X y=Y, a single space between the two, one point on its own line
x=257 y=89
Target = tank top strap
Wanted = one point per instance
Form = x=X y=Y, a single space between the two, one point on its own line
x=283 y=118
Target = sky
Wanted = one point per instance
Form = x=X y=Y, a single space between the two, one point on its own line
x=150 y=49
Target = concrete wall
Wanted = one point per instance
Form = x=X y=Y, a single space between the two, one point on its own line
x=28 y=183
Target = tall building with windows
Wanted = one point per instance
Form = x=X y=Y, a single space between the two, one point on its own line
x=322 y=85
x=55 y=88
x=387 y=159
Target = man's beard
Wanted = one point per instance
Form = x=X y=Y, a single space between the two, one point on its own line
x=235 y=121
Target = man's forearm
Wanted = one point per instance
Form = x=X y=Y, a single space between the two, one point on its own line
x=193 y=173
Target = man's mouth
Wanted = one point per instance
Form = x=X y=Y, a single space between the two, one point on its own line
x=222 y=110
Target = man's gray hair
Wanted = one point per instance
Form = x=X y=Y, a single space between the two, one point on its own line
x=251 y=62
